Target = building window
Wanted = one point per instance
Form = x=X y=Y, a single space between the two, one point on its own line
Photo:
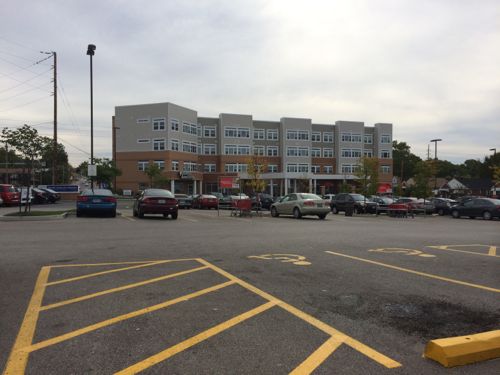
x=385 y=169
x=351 y=153
x=189 y=128
x=368 y=153
x=315 y=169
x=230 y=149
x=259 y=150
x=368 y=139
x=158 y=124
x=144 y=120
x=272 y=168
x=328 y=137
x=299 y=135
x=385 y=138
x=174 y=145
x=259 y=134
x=174 y=125
x=272 y=134
x=209 y=132
x=209 y=168
x=190 y=147
x=209 y=149
x=385 y=154
x=158 y=144
x=297 y=151
x=349 y=168
x=328 y=152
x=297 y=168
x=243 y=150
x=356 y=138
x=346 y=137
x=291 y=168
x=235 y=168
x=144 y=140
x=328 y=169
x=303 y=168
x=142 y=164
x=175 y=165
x=316 y=137
x=189 y=166
x=231 y=132
x=272 y=150
x=315 y=152
x=160 y=164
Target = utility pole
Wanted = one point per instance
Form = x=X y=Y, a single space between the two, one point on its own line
x=54 y=155
x=428 y=152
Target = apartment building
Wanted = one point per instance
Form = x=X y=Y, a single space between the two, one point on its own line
x=195 y=152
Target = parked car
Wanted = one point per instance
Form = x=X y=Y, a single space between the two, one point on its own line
x=262 y=200
x=443 y=206
x=487 y=208
x=205 y=201
x=382 y=204
x=98 y=201
x=53 y=195
x=9 y=195
x=156 y=201
x=358 y=202
x=224 y=200
x=184 y=201
x=300 y=204
x=39 y=196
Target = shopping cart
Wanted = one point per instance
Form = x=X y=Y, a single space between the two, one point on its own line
x=241 y=207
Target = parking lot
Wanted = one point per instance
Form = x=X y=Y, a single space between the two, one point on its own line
x=211 y=293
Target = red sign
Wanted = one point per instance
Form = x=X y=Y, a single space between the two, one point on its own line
x=384 y=188
x=228 y=182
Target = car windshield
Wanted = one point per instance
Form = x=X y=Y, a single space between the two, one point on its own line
x=180 y=195
x=158 y=193
x=51 y=191
x=358 y=197
x=309 y=196
x=105 y=192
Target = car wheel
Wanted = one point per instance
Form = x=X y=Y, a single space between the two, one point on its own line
x=441 y=212
x=472 y=217
x=274 y=212
x=296 y=213
x=335 y=210
x=140 y=214
x=455 y=214
x=174 y=216
x=355 y=210
x=322 y=216
x=134 y=213
x=487 y=215
x=113 y=213
x=78 y=213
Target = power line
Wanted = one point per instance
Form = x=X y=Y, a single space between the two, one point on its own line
x=18 y=44
x=67 y=105
x=20 y=67
x=13 y=55
x=24 y=92
x=25 y=82
x=25 y=104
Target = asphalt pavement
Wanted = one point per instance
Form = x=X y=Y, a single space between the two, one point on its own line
x=210 y=293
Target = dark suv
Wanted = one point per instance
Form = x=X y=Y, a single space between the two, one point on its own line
x=358 y=202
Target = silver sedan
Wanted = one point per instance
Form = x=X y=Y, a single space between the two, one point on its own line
x=301 y=204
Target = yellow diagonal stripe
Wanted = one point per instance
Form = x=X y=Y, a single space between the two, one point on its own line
x=105 y=323
x=18 y=358
x=106 y=272
x=173 y=350
x=119 y=289
x=318 y=357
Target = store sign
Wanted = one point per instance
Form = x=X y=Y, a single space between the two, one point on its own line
x=229 y=183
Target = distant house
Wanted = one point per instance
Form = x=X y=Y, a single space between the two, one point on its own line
x=471 y=186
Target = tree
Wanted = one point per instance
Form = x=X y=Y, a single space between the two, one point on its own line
x=29 y=144
x=106 y=171
x=367 y=172
x=63 y=168
x=404 y=161
x=156 y=179
x=424 y=171
x=256 y=166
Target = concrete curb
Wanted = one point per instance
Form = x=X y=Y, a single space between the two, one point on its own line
x=463 y=350
x=34 y=218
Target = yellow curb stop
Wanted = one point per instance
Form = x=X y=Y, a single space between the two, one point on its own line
x=463 y=350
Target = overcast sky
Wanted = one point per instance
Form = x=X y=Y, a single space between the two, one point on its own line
x=430 y=67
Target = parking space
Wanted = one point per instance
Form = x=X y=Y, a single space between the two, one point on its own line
x=211 y=293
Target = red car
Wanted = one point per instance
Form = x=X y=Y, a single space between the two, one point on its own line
x=156 y=201
x=9 y=194
x=206 y=201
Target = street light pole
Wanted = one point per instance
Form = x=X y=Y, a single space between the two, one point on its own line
x=90 y=52
x=435 y=146
x=494 y=150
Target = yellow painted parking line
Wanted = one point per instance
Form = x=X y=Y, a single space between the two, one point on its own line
x=115 y=263
x=364 y=349
x=117 y=319
x=186 y=344
x=128 y=218
x=18 y=358
x=492 y=250
x=318 y=357
x=417 y=272
x=106 y=272
x=118 y=289
x=191 y=220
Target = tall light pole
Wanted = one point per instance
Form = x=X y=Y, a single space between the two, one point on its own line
x=435 y=146
x=90 y=52
x=494 y=150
